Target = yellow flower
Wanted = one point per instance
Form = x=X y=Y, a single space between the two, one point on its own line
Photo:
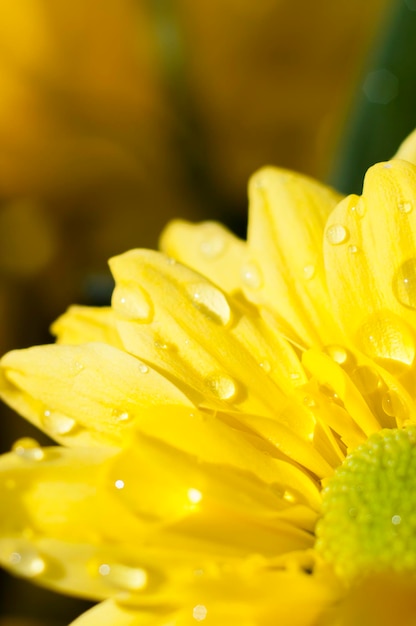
x=239 y=427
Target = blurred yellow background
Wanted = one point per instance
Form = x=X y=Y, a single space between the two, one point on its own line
x=117 y=115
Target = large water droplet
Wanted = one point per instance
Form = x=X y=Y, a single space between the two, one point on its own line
x=404 y=283
x=336 y=234
x=132 y=302
x=58 y=423
x=222 y=386
x=210 y=301
x=385 y=336
x=27 y=562
x=251 y=276
x=28 y=449
x=124 y=576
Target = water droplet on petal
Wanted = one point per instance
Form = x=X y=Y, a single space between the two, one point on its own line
x=352 y=249
x=213 y=244
x=199 y=612
x=309 y=402
x=309 y=271
x=265 y=366
x=28 y=449
x=404 y=284
x=124 y=576
x=143 y=368
x=58 y=423
x=210 y=301
x=222 y=386
x=121 y=417
x=386 y=336
x=119 y=484
x=393 y=406
x=27 y=562
x=336 y=234
x=132 y=302
x=161 y=345
x=251 y=276
x=337 y=354
x=405 y=207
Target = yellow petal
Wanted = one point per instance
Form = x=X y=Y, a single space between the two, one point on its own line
x=90 y=522
x=370 y=257
x=284 y=271
x=208 y=248
x=84 y=395
x=219 y=354
x=86 y=324
x=359 y=419
x=251 y=596
x=407 y=150
x=110 y=613
x=212 y=439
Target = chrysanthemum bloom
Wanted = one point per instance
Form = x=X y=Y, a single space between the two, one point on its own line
x=239 y=429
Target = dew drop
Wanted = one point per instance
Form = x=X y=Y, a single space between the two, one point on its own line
x=393 y=406
x=143 y=368
x=385 y=336
x=28 y=449
x=336 y=234
x=251 y=276
x=309 y=271
x=121 y=417
x=27 y=562
x=124 y=576
x=289 y=496
x=405 y=207
x=222 y=386
x=132 y=302
x=309 y=402
x=265 y=366
x=161 y=345
x=404 y=284
x=119 y=484
x=396 y=520
x=352 y=249
x=58 y=423
x=210 y=301
x=199 y=612
x=213 y=244
x=337 y=354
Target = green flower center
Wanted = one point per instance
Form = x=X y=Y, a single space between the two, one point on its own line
x=368 y=521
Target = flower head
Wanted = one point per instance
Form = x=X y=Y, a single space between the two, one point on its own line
x=238 y=430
